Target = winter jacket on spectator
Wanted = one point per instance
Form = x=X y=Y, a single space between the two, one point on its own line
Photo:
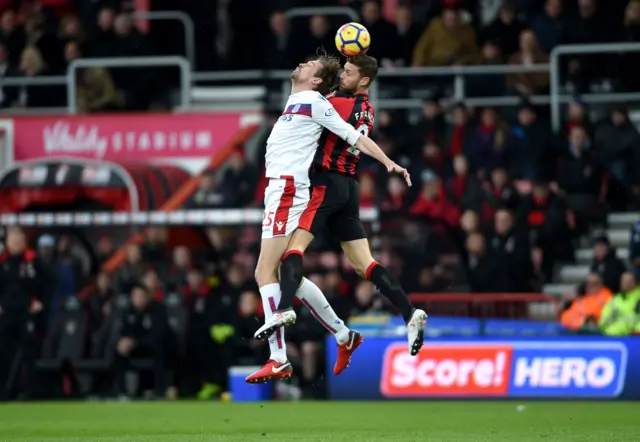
x=510 y=254
x=617 y=146
x=610 y=268
x=96 y=91
x=13 y=36
x=464 y=188
x=505 y=30
x=530 y=151
x=479 y=268
x=579 y=172
x=488 y=147
x=459 y=135
x=439 y=46
x=546 y=216
x=433 y=203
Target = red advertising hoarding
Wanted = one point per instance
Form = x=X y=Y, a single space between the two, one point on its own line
x=126 y=137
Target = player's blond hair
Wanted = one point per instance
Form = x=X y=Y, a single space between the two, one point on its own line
x=328 y=72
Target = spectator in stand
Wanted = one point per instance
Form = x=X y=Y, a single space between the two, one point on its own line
x=606 y=263
x=634 y=249
x=488 y=147
x=591 y=27
x=153 y=284
x=433 y=203
x=95 y=91
x=103 y=43
x=104 y=249
x=99 y=307
x=620 y=315
x=510 y=253
x=246 y=349
x=499 y=193
x=533 y=83
x=616 y=144
x=31 y=65
x=505 y=29
x=131 y=271
x=200 y=352
x=446 y=42
x=465 y=188
x=12 y=35
x=46 y=42
x=577 y=115
x=531 y=154
x=479 y=268
x=407 y=34
x=135 y=83
x=69 y=272
x=364 y=302
x=319 y=36
x=209 y=195
x=585 y=310
x=145 y=334
x=546 y=215
x=279 y=47
x=70 y=29
x=368 y=197
x=487 y=85
x=580 y=177
x=552 y=26
x=381 y=31
x=239 y=181
x=5 y=71
x=432 y=126
x=460 y=133
x=396 y=197
x=154 y=248
x=629 y=67
x=182 y=263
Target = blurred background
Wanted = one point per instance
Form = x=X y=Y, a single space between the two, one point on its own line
x=132 y=140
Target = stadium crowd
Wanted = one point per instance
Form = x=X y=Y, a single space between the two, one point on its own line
x=498 y=198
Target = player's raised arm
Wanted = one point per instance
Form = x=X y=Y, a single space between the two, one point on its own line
x=325 y=114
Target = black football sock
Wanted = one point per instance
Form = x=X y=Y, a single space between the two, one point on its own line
x=290 y=278
x=389 y=286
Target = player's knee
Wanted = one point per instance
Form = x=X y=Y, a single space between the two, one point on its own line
x=265 y=275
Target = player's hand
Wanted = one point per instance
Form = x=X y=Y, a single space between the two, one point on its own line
x=393 y=167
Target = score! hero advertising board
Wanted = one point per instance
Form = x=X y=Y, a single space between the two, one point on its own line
x=483 y=368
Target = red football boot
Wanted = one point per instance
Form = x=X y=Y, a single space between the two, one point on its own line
x=272 y=370
x=346 y=350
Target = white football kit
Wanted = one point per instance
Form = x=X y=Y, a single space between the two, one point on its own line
x=290 y=150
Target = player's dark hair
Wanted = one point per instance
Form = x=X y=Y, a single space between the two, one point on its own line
x=328 y=72
x=367 y=66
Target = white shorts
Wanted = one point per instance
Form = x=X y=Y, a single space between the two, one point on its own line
x=284 y=204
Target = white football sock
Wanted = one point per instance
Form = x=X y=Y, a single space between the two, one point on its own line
x=270 y=295
x=314 y=299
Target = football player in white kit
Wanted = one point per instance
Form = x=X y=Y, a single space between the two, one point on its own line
x=290 y=151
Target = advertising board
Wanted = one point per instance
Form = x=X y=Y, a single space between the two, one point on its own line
x=575 y=367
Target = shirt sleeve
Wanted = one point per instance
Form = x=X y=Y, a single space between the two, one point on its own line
x=326 y=115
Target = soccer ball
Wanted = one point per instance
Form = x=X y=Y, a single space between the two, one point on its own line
x=353 y=39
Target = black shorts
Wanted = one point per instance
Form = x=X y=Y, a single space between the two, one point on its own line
x=334 y=203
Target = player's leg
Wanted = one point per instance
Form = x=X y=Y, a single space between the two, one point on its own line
x=277 y=367
x=279 y=199
x=348 y=229
x=359 y=255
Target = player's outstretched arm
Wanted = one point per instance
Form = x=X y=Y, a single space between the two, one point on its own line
x=369 y=147
x=325 y=114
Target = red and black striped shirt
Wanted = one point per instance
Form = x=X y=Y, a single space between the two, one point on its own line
x=334 y=154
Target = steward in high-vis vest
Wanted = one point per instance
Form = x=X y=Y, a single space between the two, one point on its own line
x=585 y=310
x=621 y=315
